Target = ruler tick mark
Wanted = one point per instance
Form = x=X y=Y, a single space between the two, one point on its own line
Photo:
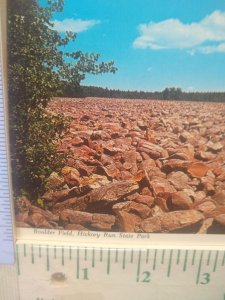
x=178 y=257
x=85 y=253
x=155 y=258
x=32 y=254
x=70 y=252
x=78 y=263
x=48 y=262
x=93 y=257
x=24 y=250
x=216 y=260
x=147 y=256
x=223 y=262
x=185 y=261
x=17 y=260
x=139 y=266
x=63 y=260
x=116 y=256
x=170 y=263
x=163 y=256
x=199 y=268
x=55 y=252
x=193 y=257
x=39 y=252
x=209 y=257
x=124 y=258
x=101 y=254
x=132 y=256
x=108 y=262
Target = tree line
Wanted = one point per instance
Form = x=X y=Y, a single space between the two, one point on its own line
x=167 y=94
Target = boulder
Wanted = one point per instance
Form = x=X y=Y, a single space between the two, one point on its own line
x=181 y=200
x=126 y=222
x=171 y=221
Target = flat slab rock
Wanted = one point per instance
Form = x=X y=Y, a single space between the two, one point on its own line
x=94 y=221
x=171 y=221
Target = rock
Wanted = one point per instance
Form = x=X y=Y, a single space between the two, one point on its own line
x=111 y=171
x=139 y=176
x=214 y=147
x=75 y=217
x=181 y=200
x=71 y=176
x=75 y=203
x=130 y=159
x=205 y=155
x=175 y=165
x=157 y=211
x=155 y=172
x=113 y=191
x=162 y=203
x=97 y=221
x=153 y=150
x=49 y=216
x=22 y=204
x=161 y=187
x=85 y=118
x=206 y=207
x=54 y=181
x=126 y=222
x=139 y=209
x=198 y=169
x=103 y=222
x=56 y=196
x=207 y=223
x=37 y=220
x=77 y=141
x=144 y=199
x=95 y=181
x=179 y=180
x=147 y=164
x=171 y=221
x=220 y=219
x=219 y=197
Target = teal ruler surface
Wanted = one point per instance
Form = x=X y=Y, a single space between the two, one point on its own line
x=53 y=272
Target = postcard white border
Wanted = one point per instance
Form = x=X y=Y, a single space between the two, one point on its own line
x=121 y=239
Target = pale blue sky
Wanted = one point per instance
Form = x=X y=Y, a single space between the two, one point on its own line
x=154 y=43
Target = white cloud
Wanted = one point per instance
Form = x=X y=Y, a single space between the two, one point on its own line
x=74 y=25
x=206 y=36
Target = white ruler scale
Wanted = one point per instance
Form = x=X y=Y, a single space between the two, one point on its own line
x=6 y=225
x=54 y=272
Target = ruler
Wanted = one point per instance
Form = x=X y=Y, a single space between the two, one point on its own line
x=63 y=272
x=6 y=227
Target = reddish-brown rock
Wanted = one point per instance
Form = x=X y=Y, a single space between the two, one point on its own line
x=179 y=180
x=126 y=221
x=181 y=200
x=161 y=187
x=113 y=191
x=198 y=169
x=171 y=221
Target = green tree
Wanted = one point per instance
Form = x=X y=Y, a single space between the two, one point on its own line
x=172 y=93
x=39 y=65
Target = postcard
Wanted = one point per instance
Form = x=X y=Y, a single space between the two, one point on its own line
x=116 y=115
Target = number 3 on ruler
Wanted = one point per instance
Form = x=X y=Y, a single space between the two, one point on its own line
x=205 y=278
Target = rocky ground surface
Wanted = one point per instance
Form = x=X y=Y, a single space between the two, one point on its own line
x=136 y=166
